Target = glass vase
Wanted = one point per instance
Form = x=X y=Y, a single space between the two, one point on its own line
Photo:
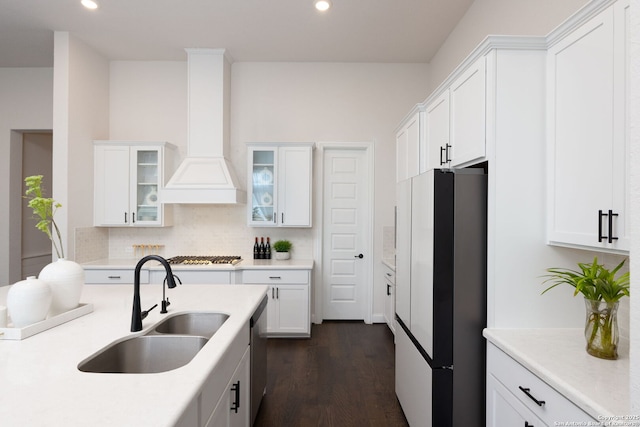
x=601 y=329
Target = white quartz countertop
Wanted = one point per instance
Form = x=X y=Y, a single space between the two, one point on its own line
x=558 y=356
x=41 y=385
x=245 y=264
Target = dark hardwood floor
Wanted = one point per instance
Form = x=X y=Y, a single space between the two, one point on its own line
x=342 y=376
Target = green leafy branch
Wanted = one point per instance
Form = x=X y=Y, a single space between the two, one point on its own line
x=593 y=280
x=44 y=208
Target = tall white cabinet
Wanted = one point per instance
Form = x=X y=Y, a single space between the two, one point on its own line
x=127 y=176
x=587 y=142
x=280 y=180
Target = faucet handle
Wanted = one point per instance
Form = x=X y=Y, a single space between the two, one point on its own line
x=165 y=304
x=146 y=313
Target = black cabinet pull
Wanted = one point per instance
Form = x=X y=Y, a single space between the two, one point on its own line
x=282 y=216
x=611 y=215
x=388 y=289
x=125 y=217
x=236 y=402
x=442 y=150
x=275 y=277
x=113 y=277
x=600 y=215
x=446 y=151
x=530 y=396
x=526 y=424
x=133 y=217
x=273 y=293
x=277 y=293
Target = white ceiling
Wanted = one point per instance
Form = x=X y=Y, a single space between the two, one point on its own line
x=251 y=30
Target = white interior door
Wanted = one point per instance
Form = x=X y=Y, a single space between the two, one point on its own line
x=345 y=233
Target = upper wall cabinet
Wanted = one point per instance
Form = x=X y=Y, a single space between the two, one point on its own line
x=280 y=179
x=587 y=142
x=410 y=147
x=455 y=124
x=127 y=176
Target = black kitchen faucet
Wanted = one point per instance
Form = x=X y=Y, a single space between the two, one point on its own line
x=137 y=314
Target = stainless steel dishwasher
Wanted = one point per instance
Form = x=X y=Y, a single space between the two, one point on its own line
x=258 y=357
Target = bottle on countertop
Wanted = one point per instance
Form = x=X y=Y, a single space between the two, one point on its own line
x=256 y=250
x=262 y=249
x=267 y=250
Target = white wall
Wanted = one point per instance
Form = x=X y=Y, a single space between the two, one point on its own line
x=26 y=99
x=284 y=102
x=494 y=17
x=80 y=115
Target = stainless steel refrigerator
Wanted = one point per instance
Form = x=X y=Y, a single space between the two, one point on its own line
x=441 y=297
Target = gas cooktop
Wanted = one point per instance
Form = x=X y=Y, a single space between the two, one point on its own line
x=204 y=259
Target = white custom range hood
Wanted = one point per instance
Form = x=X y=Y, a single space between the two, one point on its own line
x=205 y=176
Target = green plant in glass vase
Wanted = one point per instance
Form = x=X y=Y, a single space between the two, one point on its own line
x=44 y=208
x=602 y=291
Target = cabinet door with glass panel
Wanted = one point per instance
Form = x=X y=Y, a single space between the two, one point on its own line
x=127 y=176
x=280 y=185
x=263 y=190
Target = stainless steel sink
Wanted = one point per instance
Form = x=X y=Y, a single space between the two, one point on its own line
x=145 y=354
x=200 y=324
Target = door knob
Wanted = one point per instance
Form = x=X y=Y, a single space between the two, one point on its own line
x=359 y=256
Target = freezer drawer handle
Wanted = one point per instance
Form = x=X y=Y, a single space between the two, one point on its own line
x=527 y=392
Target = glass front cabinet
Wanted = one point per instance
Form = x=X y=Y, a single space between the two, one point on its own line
x=280 y=178
x=127 y=176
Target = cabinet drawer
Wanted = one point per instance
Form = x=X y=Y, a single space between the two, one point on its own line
x=390 y=275
x=114 y=276
x=553 y=406
x=275 y=277
x=195 y=277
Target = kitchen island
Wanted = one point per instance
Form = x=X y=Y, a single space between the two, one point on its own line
x=41 y=384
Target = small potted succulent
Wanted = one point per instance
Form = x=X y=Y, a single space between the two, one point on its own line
x=602 y=292
x=282 y=248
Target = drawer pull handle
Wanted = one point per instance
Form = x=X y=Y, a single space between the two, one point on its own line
x=113 y=277
x=527 y=391
x=275 y=277
x=526 y=424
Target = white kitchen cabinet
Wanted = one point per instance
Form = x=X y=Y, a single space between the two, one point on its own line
x=280 y=179
x=515 y=396
x=194 y=276
x=410 y=144
x=104 y=276
x=288 y=309
x=455 y=123
x=233 y=408
x=127 y=176
x=587 y=141
x=390 y=298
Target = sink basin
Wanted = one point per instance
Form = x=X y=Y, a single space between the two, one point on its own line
x=201 y=324
x=145 y=354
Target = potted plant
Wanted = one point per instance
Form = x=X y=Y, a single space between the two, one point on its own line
x=602 y=292
x=65 y=277
x=282 y=248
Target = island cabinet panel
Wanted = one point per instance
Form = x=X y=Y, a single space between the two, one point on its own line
x=288 y=309
x=233 y=408
x=587 y=143
x=515 y=393
x=214 y=402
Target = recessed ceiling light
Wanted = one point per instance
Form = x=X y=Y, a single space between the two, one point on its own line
x=89 y=4
x=322 y=5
